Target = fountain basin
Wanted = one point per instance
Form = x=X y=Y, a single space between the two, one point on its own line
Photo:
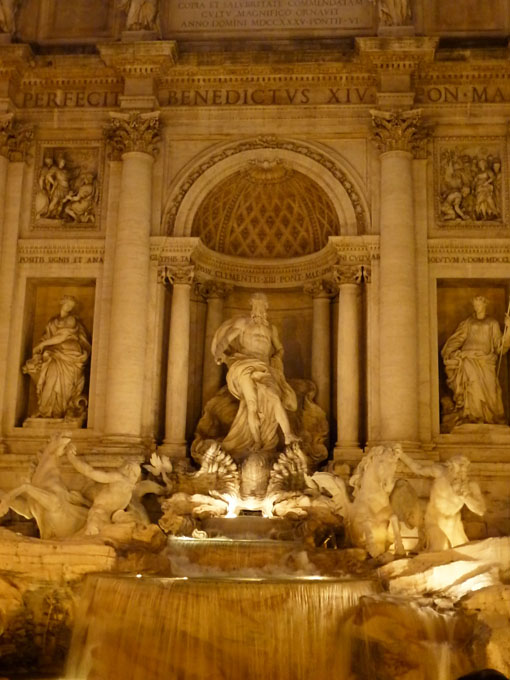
x=286 y=628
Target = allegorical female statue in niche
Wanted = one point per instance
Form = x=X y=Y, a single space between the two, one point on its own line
x=471 y=358
x=58 y=366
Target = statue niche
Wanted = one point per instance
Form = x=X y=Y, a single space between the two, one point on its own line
x=472 y=358
x=259 y=413
x=58 y=369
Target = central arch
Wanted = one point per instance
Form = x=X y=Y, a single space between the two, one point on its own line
x=334 y=176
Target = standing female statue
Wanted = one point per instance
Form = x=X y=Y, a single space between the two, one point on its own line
x=58 y=365
x=471 y=358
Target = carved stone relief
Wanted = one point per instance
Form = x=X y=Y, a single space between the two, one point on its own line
x=67 y=187
x=469 y=184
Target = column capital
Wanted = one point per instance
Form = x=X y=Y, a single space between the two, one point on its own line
x=15 y=139
x=213 y=289
x=349 y=273
x=322 y=288
x=132 y=131
x=399 y=131
x=175 y=274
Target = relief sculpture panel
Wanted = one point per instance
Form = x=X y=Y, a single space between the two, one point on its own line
x=66 y=187
x=469 y=185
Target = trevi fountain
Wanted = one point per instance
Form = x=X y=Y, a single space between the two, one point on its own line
x=254 y=335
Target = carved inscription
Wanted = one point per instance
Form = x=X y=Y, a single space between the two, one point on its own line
x=68 y=99
x=465 y=94
x=273 y=15
x=259 y=96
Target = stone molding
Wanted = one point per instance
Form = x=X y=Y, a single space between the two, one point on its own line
x=399 y=131
x=61 y=251
x=276 y=274
x=473 y=251
x=133 y=131
x=267 y=142
x=140 y=59
x=402 y=54
x=355 y=251
x=15 y=139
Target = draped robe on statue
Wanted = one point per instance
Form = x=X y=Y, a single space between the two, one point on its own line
x=252 y=352
x=470 y=357
x=59 y=370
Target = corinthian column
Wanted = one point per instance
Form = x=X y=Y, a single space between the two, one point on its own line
x=15 y=141
x=321 y=293
x=176 y=406
x=133 y=138
x=398 y=136
x=348 y=279
x=215 y=293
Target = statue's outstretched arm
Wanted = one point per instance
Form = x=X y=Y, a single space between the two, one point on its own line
x=427 y=470
x=87 y=470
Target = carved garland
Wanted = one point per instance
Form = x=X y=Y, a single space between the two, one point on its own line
x=269 y=142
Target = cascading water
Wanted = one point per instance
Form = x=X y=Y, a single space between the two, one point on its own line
x=229 y=628
x=394 y=638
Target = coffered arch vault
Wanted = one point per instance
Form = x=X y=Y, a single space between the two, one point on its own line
x=266 y=197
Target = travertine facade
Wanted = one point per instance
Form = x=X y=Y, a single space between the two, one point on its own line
x=160 y=171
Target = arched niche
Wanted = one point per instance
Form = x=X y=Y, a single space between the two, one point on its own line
x=332 y=175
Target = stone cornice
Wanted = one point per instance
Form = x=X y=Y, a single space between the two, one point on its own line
x=140 y=60
x=241 y=272
x=396 y=54
x=355 y=250
x=469 y=251
x=60 y=251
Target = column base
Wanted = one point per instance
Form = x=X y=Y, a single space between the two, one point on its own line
x=412 y=448
x=123 y=445
x=177 y=450
x=349 y=453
